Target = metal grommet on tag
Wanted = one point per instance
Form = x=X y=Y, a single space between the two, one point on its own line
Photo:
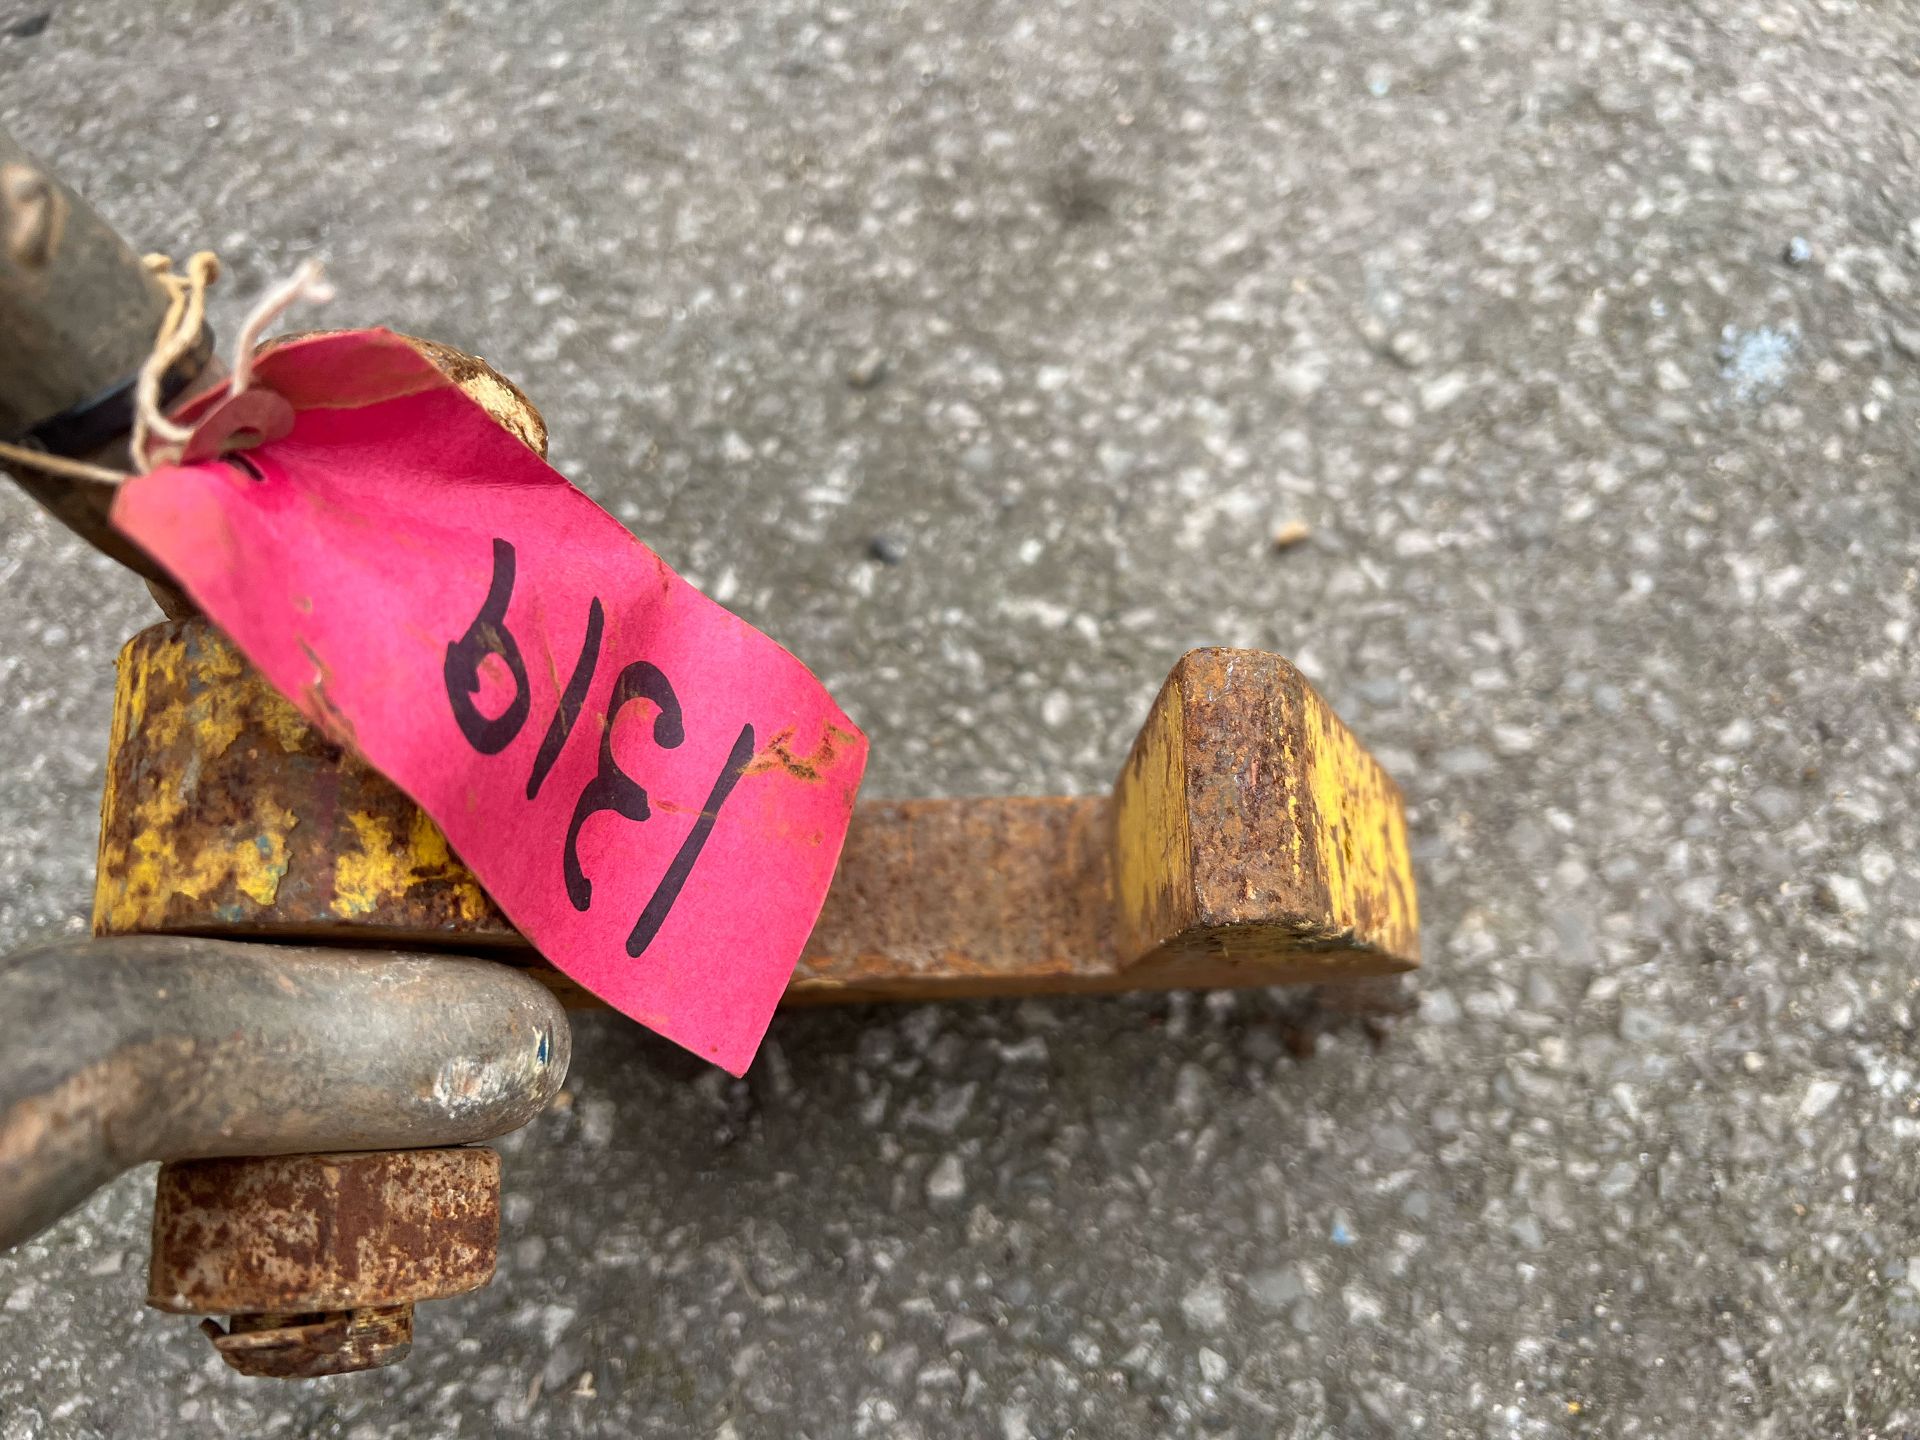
x=239 y=422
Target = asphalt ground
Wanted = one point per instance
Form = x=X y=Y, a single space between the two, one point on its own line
x=975 y=351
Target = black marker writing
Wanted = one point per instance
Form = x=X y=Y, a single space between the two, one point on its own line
x=612 y=788
x=668 y=889
x=488 y=635
x=570 y=703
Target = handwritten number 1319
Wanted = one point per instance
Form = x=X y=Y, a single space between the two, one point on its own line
x=610 y=788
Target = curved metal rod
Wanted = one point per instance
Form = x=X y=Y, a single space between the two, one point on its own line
x=143 y=1048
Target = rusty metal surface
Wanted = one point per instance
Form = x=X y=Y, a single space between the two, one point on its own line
x=1271 y=847
x=295 y=1234
x=162 y=1047
x=963 y=897
x=307 y=1347
x=505 y=401
x=224 y=812
x=320 y=1259
x=1251 y=826
x=946 y=899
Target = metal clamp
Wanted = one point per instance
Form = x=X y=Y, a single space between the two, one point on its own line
x=162 y=1048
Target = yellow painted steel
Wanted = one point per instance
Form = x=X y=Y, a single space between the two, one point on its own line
x=1251 y=827
x=207 y=699
x=208 y=767
x=1153 y=865
x=386 y=867
x=1361 y=824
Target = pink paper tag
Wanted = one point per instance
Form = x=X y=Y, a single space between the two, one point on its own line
x=651 y=789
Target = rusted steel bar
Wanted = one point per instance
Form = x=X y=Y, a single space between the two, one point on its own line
x=1250 y=841
x=318 y=1260
x=157 y=1048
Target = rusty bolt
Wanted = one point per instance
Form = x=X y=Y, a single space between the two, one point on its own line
x=318 y=1260
x=304 y=1347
